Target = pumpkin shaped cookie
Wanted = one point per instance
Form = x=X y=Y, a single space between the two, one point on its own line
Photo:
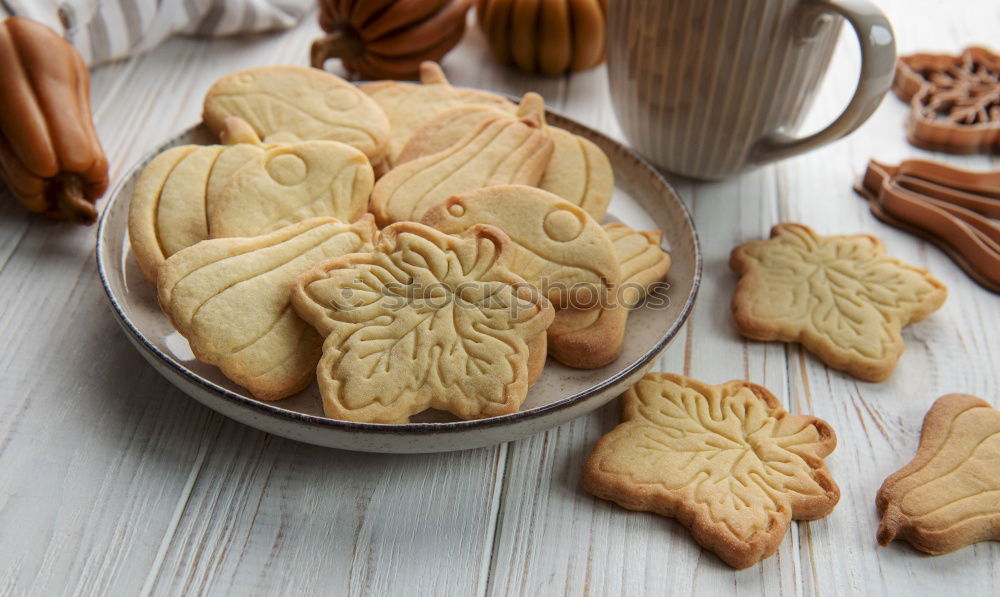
x=230 y=298
x=946 y=497
x=166 y=212
x=408 y=105
x=425 y=320
x=562 y=251
x=579 y=172
x=499 y=151
x=306 y=102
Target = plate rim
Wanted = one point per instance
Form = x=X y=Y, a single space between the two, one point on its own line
x=272 y=410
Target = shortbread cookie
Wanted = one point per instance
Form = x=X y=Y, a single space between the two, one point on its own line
x=643 y=262
x=306 y=102
x=559 y=249
x=841 y=297
x=409 y=105
x=231 y=299
x=579 y=172
x=500 y=151
x=288 y=183
x=946 y=497
x=191 y=193
x=588 y=338
x=426 y=320
x=726 y=461
x=448 y=127
x=557 y=246
x=165 y=213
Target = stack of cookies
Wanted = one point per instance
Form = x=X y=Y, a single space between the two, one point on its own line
x=407 y=245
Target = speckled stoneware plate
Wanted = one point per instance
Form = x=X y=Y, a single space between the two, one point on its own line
x=642 y=199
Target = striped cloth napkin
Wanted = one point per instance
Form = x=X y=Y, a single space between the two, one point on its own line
x=106 y=30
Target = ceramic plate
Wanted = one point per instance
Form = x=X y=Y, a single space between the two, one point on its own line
x=642 y=199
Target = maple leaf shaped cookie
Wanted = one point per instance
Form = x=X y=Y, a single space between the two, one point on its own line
x=946 y=497
x=841 y=297
x=426 y=320
x=726 y=461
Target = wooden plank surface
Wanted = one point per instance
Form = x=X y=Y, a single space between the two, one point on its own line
x=112 y=482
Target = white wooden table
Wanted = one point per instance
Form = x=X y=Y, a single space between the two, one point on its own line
x=112 y=482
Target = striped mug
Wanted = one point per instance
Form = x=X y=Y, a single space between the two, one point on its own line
x=712 y=88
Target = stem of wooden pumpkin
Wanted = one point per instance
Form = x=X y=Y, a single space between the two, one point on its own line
x=337 y=44
x=67 y=189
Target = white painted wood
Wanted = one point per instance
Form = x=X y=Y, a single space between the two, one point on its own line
x=556 y=539
x=112 y=482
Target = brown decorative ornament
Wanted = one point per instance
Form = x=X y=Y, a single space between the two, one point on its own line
x=388 y=39
x=50 y=156
x=954 y=100
x=551 y=37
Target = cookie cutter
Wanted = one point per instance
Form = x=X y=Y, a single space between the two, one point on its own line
x=954 y=100
x=957 y=210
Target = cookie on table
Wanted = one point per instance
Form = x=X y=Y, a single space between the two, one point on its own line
x=579 y=171
x=946 y=497
x=500 y=151
x=642 y=260
x=311 y=104
x=230 y=298
x=425 y=320
x=841 y=297
x=558 y=248
x=726 y=461
x=409 y=105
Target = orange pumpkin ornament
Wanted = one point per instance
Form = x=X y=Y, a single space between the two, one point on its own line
x=551 y=37
x=388 y=39
x=50 y=157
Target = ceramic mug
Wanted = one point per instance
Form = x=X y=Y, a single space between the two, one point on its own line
x=712 y=88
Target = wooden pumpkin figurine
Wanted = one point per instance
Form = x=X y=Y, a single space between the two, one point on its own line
x=50 y=156
x=388 y=39
x=551 y=37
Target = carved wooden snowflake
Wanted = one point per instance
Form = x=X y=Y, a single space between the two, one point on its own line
x=727 y=461
x=426 y=320
x=842 y=297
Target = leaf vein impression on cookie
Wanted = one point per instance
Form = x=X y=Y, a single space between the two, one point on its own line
x=425 y=320
x=230 y=298
x=841 y=297
x=727 y=461
x=948 y=496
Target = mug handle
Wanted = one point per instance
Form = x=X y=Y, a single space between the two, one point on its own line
x=878 y=63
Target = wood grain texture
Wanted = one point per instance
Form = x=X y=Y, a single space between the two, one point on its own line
x=113 y=482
